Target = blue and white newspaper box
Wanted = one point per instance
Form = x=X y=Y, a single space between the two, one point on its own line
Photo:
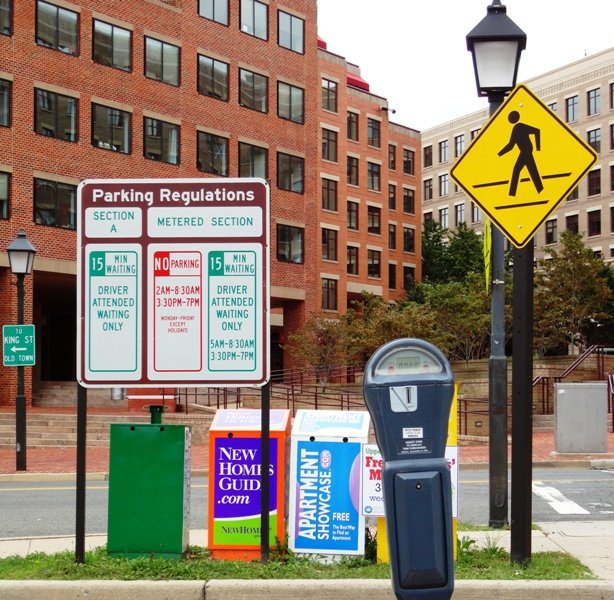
x=325 y=516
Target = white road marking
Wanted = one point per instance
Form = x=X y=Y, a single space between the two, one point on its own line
x=557 y=501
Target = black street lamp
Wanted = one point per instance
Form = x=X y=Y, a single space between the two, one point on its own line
x=21 y=260
x=496 y=43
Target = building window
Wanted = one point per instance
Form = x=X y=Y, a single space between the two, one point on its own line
x=329 y=95
x=443 y=217
x=611 y=137
x=409 y=277
x=212 y=154
x=551 y=226
x=290 y=172
x=374 y=219
x=594 y=222
x=352 y=170
x=5 y=187
x=374 y=259
x=291 y=32
x=329 y=145
x=459 y=145
x=611 y=95
x=161 y=61
x=594 y=139
x=160 y=141
x=290 y=102
x=443 y=151
x=443 y=185
x=290 y=244
x=409 y=201
x=352 y=215
x=54 y=203
x=6 y=18
x=594 y=182
x=329 y=244
x=476 y=213
x=459 y=214
x=427 y=216
x=112 y=46
x=409 y=239
x=255 y=18
x=553 y=106
x=57 y=28
x=392 y=157
x=428 y=189
x=329 y=194
x=392 y=276
x=611 y=215
x=392 y=196
x=110 y=128
x=593 y=101
x=329 y=294
x=427 y=158
x=216 y=10
x=212 y=77
x=5 y=103
x=352 y=260
x=574 y=194
x=374 y=176
x=252 y=161
x=373 y=132
x=571 y=223
x=571 y=109
x=612 y=178
x=392 y=236
x=408 y=162
x=55 y=115
x=352 y=125
x=253 y=90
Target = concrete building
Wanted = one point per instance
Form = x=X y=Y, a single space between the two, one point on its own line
x=195 y=88
x=582 y=96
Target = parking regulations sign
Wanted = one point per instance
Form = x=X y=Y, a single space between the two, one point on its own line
x=173 y=282
x=522 y=165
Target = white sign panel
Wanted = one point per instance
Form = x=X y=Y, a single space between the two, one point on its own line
x=173 y=282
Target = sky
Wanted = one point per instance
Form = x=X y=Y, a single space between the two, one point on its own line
x=414 y=52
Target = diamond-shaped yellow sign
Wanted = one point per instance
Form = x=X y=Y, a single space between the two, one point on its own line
x=523 y=163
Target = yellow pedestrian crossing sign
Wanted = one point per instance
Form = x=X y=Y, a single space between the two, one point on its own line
x=523 y=163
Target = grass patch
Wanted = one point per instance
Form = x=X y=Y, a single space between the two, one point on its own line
x=487 y=563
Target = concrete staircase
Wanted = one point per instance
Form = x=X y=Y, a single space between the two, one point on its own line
x=64 y=393
x=53 y=430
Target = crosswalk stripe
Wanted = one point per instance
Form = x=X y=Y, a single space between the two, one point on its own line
x=558 y=501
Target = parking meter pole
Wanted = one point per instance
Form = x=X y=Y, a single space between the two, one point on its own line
x=408 y=388
x=156 y=410
x=522 y=405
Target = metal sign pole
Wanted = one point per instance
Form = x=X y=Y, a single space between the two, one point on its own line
x=265 y=476
x=81 y=473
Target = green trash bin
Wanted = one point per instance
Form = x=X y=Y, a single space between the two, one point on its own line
x=149 y=490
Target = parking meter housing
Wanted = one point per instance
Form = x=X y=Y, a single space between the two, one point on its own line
x=408 y=388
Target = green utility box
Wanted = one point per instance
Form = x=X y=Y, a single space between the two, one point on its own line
x=149 y=490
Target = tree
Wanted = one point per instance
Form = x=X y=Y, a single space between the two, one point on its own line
x=465 y=253
x=321 y=343
x=571 y=294
x=434 y=252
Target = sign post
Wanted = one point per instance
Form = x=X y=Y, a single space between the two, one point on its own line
x=173 y=282
x=518 y=170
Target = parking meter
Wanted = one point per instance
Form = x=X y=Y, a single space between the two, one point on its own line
x=408 y=388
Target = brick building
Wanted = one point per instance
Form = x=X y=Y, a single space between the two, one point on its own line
x=195 y=88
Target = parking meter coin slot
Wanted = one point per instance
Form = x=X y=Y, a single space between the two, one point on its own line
x=421 y=533
x=404 y=398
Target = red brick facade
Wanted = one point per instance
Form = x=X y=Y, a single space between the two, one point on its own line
x=26 y=155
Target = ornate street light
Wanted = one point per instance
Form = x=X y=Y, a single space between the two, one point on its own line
x=496 y=43
x=21 y=260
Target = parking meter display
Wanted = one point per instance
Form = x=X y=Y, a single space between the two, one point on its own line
x=408 y=361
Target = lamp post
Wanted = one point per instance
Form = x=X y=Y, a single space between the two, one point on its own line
x=21 y=259
x=495 y=44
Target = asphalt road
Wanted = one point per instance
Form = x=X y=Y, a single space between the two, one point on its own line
x=48 y=508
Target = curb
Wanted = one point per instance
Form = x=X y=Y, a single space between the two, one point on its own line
x=297 y=589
